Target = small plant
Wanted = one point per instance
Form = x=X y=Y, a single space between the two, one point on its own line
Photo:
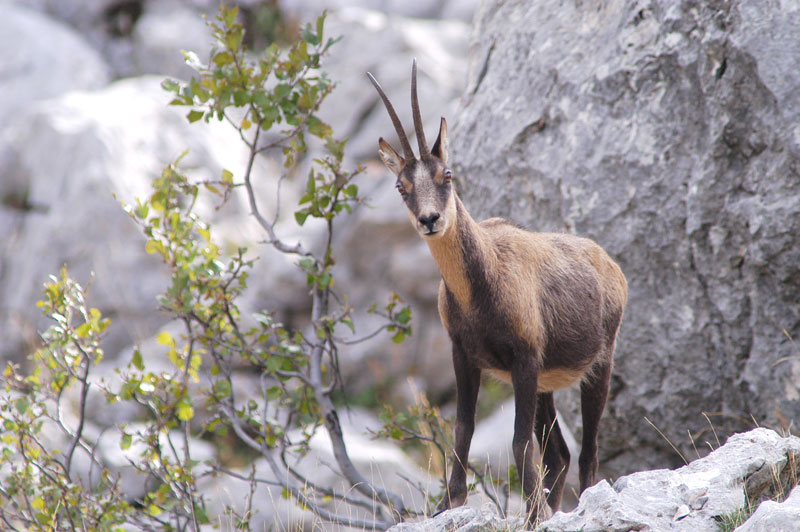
x=43 y=487
x=732 y=521
x=193 y=394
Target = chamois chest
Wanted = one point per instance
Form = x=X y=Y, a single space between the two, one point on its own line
x=482 y=333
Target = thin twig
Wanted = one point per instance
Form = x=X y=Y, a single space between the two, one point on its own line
x=298 y=248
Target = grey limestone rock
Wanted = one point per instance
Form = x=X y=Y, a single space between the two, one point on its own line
x=667 y=132
x=772 y=516
x=42 y=59
x=77 y=157
x=750 y=466
x=463 y=519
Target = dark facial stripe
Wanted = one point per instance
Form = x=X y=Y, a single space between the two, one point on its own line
x=441 y=191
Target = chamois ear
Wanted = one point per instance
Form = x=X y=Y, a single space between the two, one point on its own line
x=442 y=144
x=390 y=158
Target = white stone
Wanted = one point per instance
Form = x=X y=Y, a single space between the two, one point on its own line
x=772 y=516
x=42 y=59
x=686 y=499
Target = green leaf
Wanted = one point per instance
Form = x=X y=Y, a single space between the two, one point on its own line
x=83 y=330
x=223 y=58
x=222 y=388
x=194 y=115
x=309 y=36
x=229 y=15
x=318 y=128
x=137 y=361
x=307 y=263
x=38 y=503
x=282 y=90
x=399 y=337
x=300 y=217
x=234 y=39
x=347 y=320
x=227 y=176
x=153 y=246
x=184 y=411
x=320 y=26
x=404 y=316
x=164 y=338
x=170 y=85
x=325 y=280
x=351 y=190
x=22 y=405
x=274 y=393
x=126 y=441
x=241 y=98
x=201 y=515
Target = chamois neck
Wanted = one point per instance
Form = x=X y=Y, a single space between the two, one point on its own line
x=461 y=254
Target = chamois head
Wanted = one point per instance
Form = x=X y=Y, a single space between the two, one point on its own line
x=424 y=181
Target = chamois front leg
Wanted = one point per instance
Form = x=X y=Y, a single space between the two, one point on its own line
x=468 y=382
x=524 y=379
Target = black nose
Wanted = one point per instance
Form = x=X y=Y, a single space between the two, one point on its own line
x=429 y=220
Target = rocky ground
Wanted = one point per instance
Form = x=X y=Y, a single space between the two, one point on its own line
x=753 y=473
x=667 y=131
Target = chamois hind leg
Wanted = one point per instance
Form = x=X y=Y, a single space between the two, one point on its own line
x=594 y=393
x=524 y=379
x=468 y=381
x=555 y=453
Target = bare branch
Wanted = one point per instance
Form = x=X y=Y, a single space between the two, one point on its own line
x=331 y=420
x=298 y=248
x=371 y=335
x=81 y=409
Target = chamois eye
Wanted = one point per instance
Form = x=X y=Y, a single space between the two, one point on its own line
x=400 y=188
x=448 y=175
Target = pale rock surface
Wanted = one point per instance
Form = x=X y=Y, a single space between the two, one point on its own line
x=78 y=157
x=161 y=33
x=35 y=68
x=750 y=466
x=771 y=516
x=463 y=519
x=430 y=9
x=355 y=109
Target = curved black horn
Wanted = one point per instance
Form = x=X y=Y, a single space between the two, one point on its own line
x=407 y=151
x=423 y=144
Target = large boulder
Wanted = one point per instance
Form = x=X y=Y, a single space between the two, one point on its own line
x=773 y=516
x=666 y=131
x=76 y=158
x=42 y=59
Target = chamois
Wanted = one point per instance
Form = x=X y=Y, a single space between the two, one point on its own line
x=538 y=310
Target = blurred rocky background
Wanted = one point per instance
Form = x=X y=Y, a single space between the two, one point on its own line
x=669 y=132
